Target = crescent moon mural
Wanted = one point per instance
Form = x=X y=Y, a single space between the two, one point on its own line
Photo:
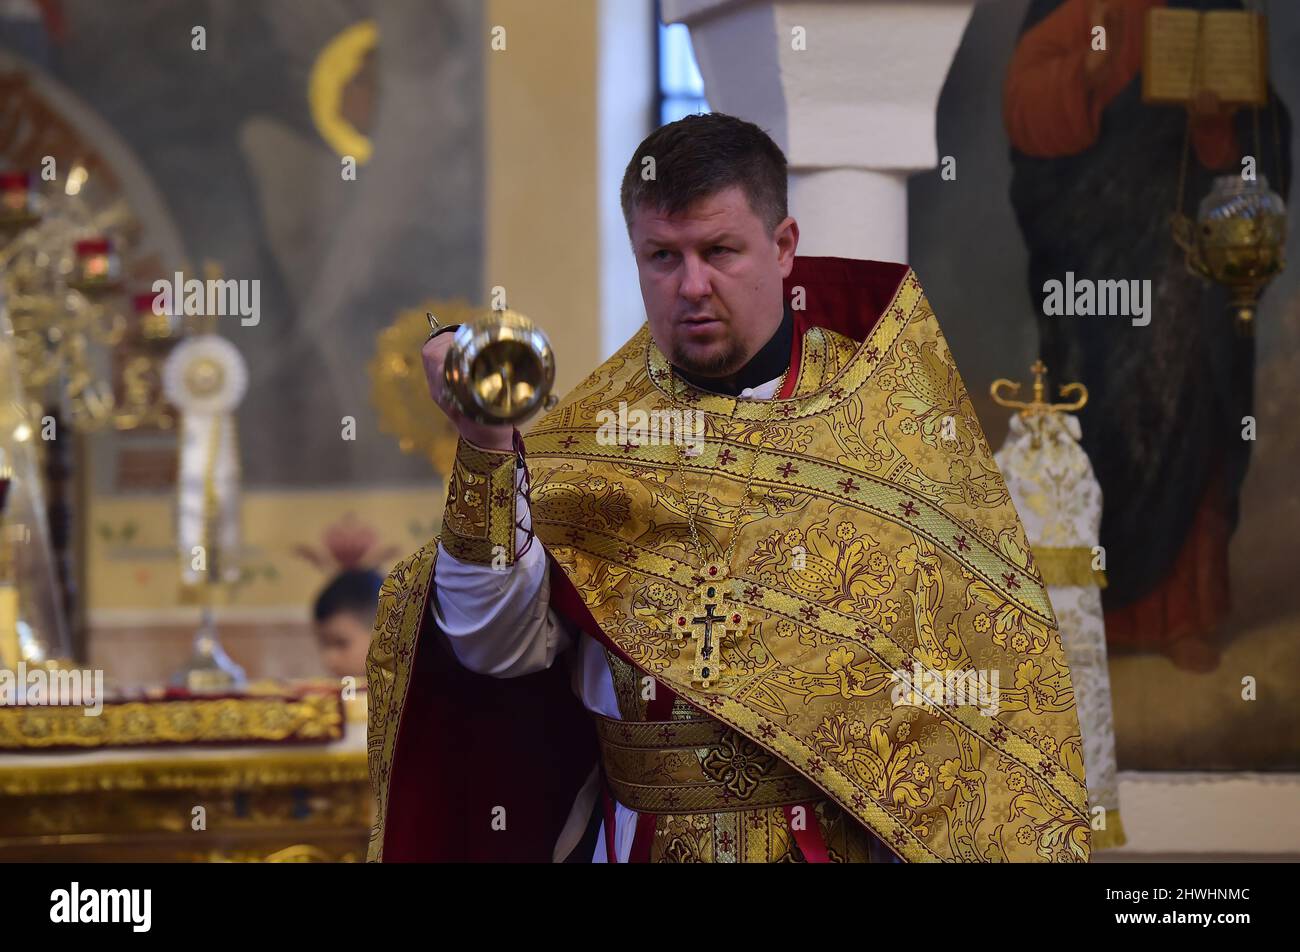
x=341 y=62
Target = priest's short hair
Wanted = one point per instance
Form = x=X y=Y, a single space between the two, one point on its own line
x=700 y=155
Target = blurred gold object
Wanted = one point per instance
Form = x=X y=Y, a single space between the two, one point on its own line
x=1238 y=240
x=1039 y=405
x=500 y=368
x=314 y=717
x=400 y=393
x=263 y=802
x=62 y=277
x=10 y=643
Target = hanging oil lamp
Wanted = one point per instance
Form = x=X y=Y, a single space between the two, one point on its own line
x=1238 y=240
x=1239 y=237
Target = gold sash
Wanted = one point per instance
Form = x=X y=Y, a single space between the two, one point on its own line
x=693 y=766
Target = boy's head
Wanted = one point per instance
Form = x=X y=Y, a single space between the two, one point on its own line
x=345 y=619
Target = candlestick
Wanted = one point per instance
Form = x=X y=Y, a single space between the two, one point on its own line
x=97 y=269
x=17 y=203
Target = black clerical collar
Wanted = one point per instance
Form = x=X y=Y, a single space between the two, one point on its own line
x=769 y=363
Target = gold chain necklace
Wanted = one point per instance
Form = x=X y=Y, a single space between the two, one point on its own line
x=691 y=511
x=711 y=579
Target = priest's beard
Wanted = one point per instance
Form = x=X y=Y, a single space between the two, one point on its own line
x=720 y=360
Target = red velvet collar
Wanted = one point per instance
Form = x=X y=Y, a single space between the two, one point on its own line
x=844 y=295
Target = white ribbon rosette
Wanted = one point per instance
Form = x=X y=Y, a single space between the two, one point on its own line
x=205 y=377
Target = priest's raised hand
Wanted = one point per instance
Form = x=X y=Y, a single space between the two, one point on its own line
x=434 y=355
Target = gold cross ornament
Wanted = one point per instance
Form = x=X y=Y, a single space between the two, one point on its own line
x=710 y=616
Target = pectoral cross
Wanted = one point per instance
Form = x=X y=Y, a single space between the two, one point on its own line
x=714 y=620
x=706 y=665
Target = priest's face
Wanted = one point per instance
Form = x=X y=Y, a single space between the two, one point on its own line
x=711 y=280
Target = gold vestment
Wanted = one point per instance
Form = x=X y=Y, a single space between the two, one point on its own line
x=880 y=543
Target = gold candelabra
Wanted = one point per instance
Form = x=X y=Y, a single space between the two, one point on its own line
x=66 y=336
x=64 y=291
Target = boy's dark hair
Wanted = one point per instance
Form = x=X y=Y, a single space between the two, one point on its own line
x=353 y=590
x=700 y=155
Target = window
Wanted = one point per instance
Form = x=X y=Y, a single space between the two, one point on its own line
x=681 y=88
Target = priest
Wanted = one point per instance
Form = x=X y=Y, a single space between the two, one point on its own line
x=809 y=629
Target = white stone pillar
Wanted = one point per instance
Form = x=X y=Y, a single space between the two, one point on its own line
x=625 y=103
x=848 y=89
